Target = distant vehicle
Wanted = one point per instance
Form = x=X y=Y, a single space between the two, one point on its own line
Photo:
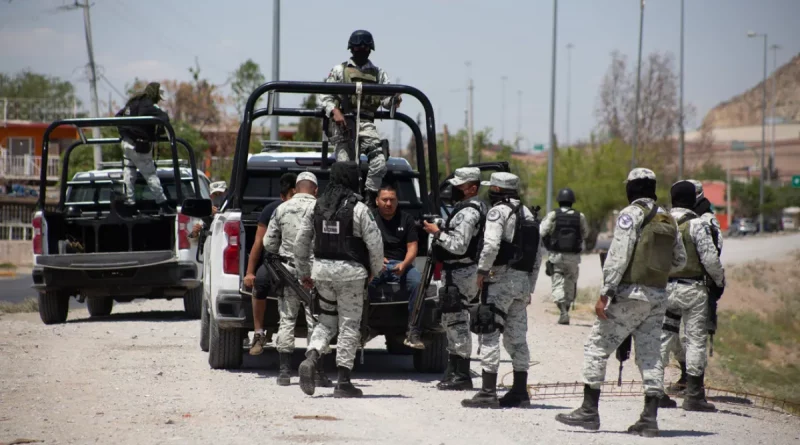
x=742 y=227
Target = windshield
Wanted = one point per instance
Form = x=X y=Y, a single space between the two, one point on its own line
x=85 y=192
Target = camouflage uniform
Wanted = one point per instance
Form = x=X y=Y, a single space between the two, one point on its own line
x=565 y=264
x=688 y=299
x=368 y=136
x=280 y=240
x=635 y=309
x=510 y=291
x=343 y=282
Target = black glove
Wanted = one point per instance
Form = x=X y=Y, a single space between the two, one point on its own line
x=548 y=269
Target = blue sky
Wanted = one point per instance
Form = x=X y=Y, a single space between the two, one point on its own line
x=423 y=42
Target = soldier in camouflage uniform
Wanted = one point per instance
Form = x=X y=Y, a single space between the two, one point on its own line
x=280 y=238
x=457 y=246
x=359 y=69
x=645 y=248
x=507 y=270
x=688 y=295
x=564 y=234
x=348 y=252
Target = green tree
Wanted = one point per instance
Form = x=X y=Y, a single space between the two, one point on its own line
x=244 y=81
x=29 y=85
x=309 y=128
x=710 y=171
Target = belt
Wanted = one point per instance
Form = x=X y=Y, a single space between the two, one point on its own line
x=689 y=280
x=456 y=266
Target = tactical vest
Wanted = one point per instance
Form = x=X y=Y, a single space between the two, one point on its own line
x=139 y=135
x=566 y=236
x=651 y=261
x=693 y=268
x=520 y=253
x=353 y=74
x=475 y=244
x=334 y=238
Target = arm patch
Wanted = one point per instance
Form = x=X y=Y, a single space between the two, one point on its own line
x=625 y=222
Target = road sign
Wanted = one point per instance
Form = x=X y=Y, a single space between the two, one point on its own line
x=538 y=147
x=738 y=145
x=796 y=181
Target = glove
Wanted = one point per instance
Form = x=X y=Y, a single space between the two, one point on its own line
x=548 y=268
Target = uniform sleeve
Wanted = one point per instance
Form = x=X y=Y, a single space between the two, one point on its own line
x=456 y=240
x=678 y=251
x=546 y=228
x=621 y=249
x=384 y=79
x=272 y=240
x=584 y=231
x=331 y=101
x=367 y=229
x=303 y=243
x=701 y=234
x=492 y=237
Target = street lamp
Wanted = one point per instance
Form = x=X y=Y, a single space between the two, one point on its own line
x=552 y=135
x=752 y=34
x=638 y=85
x=569 y=87
x=774 y=48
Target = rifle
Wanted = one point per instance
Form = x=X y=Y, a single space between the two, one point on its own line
x=427 y=276
x=274 y=262
x=624 y=349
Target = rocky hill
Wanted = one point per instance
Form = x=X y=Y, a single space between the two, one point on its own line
x=745 y=109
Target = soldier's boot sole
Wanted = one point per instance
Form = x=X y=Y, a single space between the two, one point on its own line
x=513 y=400
x=483 y=401
x=307 y=372
x=455 y=384
x=347 y=391
x=563 y=319
x=580 y=418
x=698 y=406
x=666 y=402
x=644 y=429
x=284 y=380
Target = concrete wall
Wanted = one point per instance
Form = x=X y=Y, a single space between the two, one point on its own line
x=19 y=253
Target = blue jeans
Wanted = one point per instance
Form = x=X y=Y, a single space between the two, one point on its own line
x=410 y=280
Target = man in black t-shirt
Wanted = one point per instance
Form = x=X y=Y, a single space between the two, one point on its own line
x=400 y=244
x=258 y=281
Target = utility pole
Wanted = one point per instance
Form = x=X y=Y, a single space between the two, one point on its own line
x=774 y=49
x=752 y=34
x=87 y=25
x=446 y=141
x=550 y=153
x=503 y=114
x=276 y=62
x=681 y=129
x=569 y=87
x=519 y=119
x=638 y=87
x=470 y=134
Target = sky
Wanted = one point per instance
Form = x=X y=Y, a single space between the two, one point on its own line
x=424 y=43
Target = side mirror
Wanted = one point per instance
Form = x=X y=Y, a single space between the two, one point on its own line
x=196 y=207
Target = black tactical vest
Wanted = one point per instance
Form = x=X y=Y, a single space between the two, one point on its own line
x=520 y=253
x=566 y=236
x=334 y=239
x=475 y=244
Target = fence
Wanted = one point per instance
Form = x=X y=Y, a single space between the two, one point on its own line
x=28 y=167
x=37 y=110
x=15 y=222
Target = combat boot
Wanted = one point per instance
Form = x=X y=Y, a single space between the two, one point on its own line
x=666 y=402
x=587 y=416
x=284 y=368
x=679 y=387
x=695 y=399
x=517 y=396
x=647 y=425
x=451 y=368
x=487 y=396
x=321 y=379
x=344 y=388
x=459 y=379
x=308 y=372
x=564 y=317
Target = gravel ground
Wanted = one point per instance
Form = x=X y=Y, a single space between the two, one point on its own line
x=139 y=376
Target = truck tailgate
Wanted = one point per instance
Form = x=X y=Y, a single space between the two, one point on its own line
x=113 y=260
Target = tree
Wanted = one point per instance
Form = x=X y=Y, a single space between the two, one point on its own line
x=309 y=128
x=710 y=172
x=244 y=81
x=38 y=97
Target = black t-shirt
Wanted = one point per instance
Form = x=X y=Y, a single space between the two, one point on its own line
x=397 y=233
x=266 y=214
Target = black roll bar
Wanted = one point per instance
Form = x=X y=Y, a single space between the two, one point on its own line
x=106 y=122
x=65 y=163
x=243 y=139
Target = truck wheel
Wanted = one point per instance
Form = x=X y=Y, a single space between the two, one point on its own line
x=53 y=307
x=224 y=347
x=433 y=358
x=204 y=326
x=99 y=306
x=193 y=302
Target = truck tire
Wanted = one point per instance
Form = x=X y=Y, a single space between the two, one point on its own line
x=99 y=306
x=432 y=359
x=53 y=307
x=204 y=326
x=224 y=347
x=193 y=302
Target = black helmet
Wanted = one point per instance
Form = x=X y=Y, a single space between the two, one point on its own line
x=361 y=37
x=566 y=195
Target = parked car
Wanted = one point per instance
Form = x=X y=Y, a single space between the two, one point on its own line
x=742 y=227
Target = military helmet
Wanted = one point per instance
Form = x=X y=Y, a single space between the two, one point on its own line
x=566 y=195
x=361 y=37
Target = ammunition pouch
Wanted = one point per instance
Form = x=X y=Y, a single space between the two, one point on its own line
x=450 y=300
x=548 y=268
x=482 y=319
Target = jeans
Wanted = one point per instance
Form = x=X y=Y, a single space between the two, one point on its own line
x=410 y=280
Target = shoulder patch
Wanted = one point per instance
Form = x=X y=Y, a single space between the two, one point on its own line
x=715 y=223
x=459 y=218
x=493 y=215
x=625 y=222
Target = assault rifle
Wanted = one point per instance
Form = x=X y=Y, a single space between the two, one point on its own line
x=274 y=262
x=623 y=350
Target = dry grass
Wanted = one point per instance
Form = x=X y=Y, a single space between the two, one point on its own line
x=27 y=305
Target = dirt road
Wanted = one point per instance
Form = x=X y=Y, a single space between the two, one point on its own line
x=139 y=376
